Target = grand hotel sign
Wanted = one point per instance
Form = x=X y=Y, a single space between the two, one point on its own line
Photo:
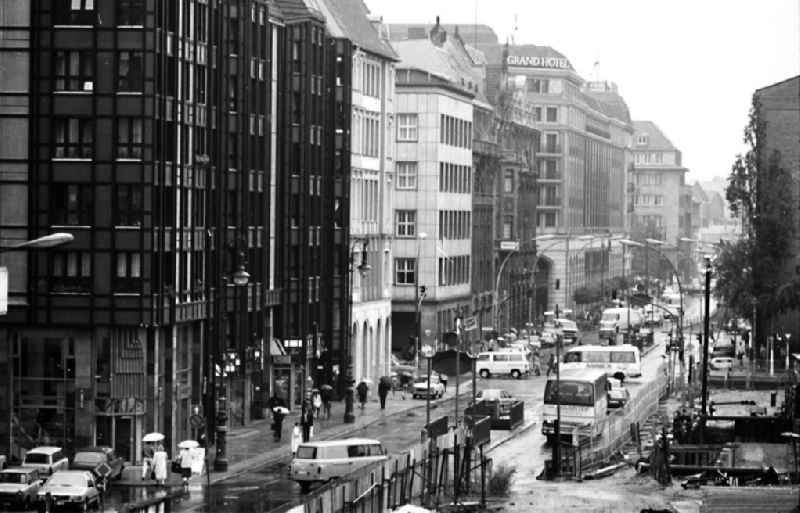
x=530 y=61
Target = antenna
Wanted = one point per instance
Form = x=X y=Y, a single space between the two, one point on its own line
x=514 y=31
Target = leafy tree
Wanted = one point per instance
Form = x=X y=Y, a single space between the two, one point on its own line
x=760 y=191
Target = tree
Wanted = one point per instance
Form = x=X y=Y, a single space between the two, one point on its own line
x=760 y=191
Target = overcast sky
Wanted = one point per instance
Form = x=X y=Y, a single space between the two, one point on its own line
x=691 y=66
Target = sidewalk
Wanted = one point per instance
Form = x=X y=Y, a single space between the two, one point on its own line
x=252 y=446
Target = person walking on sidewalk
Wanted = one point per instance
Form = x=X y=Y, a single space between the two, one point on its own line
x=306 y=420
x=327 y=396
x=277 y=422
x=551 y=365
x=316 y=402
x=362 y=389
x=297 y=437
x=383 y=390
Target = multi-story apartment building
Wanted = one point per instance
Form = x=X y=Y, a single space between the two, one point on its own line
x=371 y=182
x=146 y=129
x=433 y=214
x=659 y=192
x=313 y=207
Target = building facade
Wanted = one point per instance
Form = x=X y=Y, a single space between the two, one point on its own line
x=433 y=218
x=372 y=180
x=142 y=128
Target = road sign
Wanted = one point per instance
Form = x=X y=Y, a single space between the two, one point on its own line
x=509 y=245
x=197 y=421
x=102 y=469
x=470 y=323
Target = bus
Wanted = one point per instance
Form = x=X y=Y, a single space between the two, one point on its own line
x=584 y=401
x=623 y=361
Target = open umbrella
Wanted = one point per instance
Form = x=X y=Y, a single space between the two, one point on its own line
x=153 y=437
x=326 y=387
x=188 y=444
x=281 y=409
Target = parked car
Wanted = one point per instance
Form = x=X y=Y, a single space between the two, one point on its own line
x=19 y=487
x=721 y=362
x=498 y=395
x=548 y=337
x=75 y=488
x=617 y=394
x=89 y=458
x=420 y=389
x=47 y=459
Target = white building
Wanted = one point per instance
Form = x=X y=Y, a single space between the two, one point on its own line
x=372 y=150
x=433 y=189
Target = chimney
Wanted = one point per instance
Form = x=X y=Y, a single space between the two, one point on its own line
x=438 y=34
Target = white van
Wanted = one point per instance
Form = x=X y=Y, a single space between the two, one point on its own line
x=324 y=460
x=513 y=363
x=621 y=361
x=615 y=320
x=46 y=459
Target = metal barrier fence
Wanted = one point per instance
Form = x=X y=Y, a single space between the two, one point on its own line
x=421 y=474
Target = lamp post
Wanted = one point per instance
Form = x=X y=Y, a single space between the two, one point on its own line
x=45 y=242
x=362 y=268
x=419 y=296
x=557 y=430
x=428 y=352
x=229 y=364
x=705 y=343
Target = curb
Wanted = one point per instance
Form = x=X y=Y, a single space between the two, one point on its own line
x=524 y=428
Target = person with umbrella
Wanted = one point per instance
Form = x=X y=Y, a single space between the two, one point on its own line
x=316 y=402
x=362 y=390
x=148 y=452
x=278 y=414
x=384 y=386
x=185 y=458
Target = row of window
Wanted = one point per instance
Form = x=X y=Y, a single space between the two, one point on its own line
x=455 y=132
x=551 y=114
x=75 y=71
x=651 y=220
x=365 y=199
x=651 y=157
x=455 y=178
x=454 y=270
x=455 y=224
x=366 y=133
x=74 y=138
x=370 y=78
x=649 y=200
x=648 y=179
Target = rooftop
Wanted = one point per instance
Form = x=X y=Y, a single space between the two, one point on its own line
x=350 y=19
x=656 y=140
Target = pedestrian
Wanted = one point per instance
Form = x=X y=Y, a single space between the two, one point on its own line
x=277 y=422
x=185 y=459
x=147 y=460
x=551 y=365
x=326 y=395
x=443 y=379
x=383 y=390
x=297 y=437
x=160 y=464
x=316 y=402
x=362 y=389
x=740 y=356
x=306 y=420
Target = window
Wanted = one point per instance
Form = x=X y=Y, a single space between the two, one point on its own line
x=538 y=85
x=550 y=169
x=129 y=206
x=551 y=143
x=404 y=271
x=552 y=114
x=73 y=12
x=130 y=70
x=371 y=77
x=74 y=138
x=72 y=204
x=455 y=132
x=127 y=277
x=406 y=223
x=71 y=271
x=508 y=181
x=407 y=127
x=537 y=113
x=130 y=139
x=130 y=12
x=454 y=270
x=508 y=227
x=641 y=139
x=74 y=71
x=406 y=175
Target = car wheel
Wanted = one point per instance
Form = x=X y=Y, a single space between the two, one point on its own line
x=516 y=374
x=485 y=374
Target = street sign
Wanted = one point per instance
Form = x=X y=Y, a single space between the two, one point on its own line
x=102 y=469
x=197 y=421
x=509 y=245
x=470 y=323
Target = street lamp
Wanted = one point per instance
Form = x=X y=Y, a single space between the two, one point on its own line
x=230 y=363
x=428 y=352
x=419 y=296
x=705 y=344
x=362 y=268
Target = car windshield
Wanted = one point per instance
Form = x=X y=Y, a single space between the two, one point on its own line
x=89 y=458
x=306 y=452
x=572 y=392
x=67 y=480
x=12 y=477
x=37 y=458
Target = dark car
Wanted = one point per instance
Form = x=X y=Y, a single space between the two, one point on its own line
x=89 y=458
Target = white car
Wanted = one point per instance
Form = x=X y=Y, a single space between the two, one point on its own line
x=721 y=362
x=420 y=389
x=325 y=460
x=46 y=459
x=76 y=488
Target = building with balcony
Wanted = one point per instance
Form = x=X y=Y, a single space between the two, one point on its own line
x=146 y=129
x=373 y=178
x=432 y=248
